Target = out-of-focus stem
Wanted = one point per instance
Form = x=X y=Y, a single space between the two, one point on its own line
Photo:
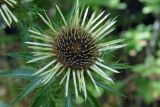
x=154 y=38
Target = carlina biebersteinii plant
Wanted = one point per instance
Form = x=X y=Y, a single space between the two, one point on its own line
x=74 y=52
x=6 y=14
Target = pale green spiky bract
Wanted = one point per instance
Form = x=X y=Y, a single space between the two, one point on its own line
x=6 y=13
x=74 y=52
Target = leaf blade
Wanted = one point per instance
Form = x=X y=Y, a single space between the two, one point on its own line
x=20 y=73
x=30 y=88
x=108 y=88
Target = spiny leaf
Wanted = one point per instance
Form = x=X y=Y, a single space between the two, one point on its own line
x=112 y=42
x=30 y=87
x=19 y=55
x=92 y=101
x=20 y=73
x=119 y=66
x=43 y=100
x=108 y=88
x=41 y=97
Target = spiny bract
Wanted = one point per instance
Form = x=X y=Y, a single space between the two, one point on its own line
x=6 y=13
x=75 y=50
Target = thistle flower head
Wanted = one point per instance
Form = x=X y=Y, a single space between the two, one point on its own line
x=74 y=51
x=6 y=13
x=75 y=48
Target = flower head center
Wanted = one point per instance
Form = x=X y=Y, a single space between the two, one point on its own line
x=75 y=48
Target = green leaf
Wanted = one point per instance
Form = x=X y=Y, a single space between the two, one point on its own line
x=108 y=88
x=20 y=55
x=41 y=98
x=20 y=73
x=119 y=66
x=68 y=102
x=112 y=42
x=30 y=87
x=92 y=101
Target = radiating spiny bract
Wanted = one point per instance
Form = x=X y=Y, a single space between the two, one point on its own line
x=5 y=12
x=74 y=51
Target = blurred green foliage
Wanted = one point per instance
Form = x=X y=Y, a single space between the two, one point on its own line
x=137 y=38
x=112 y=4
x=151 y=6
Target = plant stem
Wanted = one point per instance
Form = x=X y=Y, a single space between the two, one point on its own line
x=152 y=43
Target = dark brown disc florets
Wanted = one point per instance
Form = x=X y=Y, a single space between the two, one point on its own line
x=75 y=48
